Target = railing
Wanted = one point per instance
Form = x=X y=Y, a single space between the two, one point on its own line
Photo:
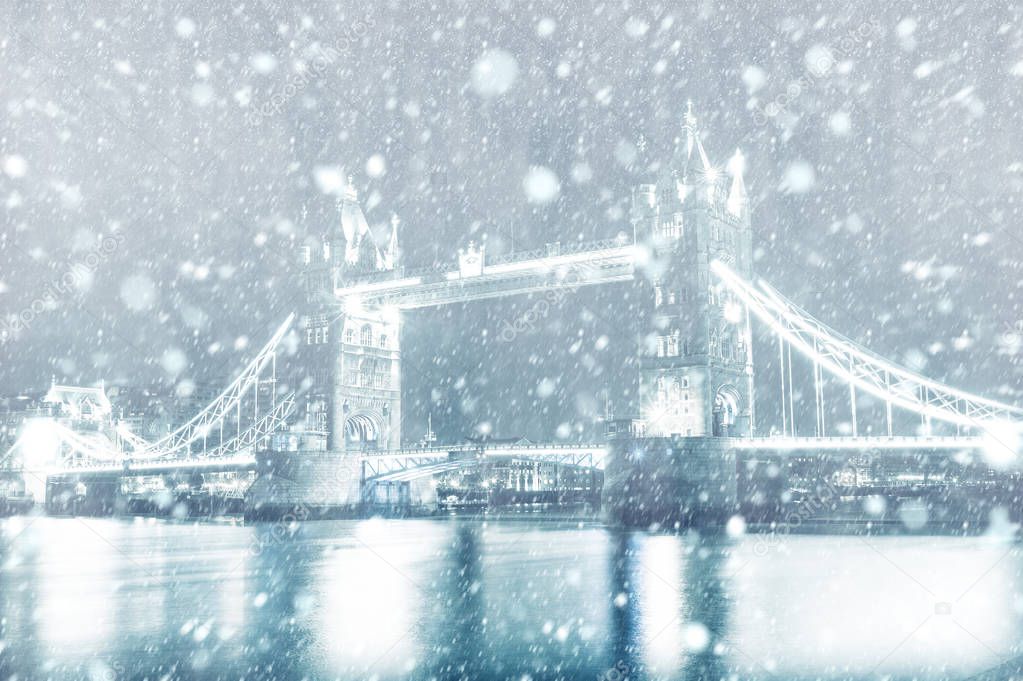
x=867 y=442
x=553 y=249
x=471 y=448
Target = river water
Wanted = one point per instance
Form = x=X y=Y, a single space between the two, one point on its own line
x=457 y=598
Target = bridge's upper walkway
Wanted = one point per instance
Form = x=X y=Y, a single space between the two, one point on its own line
x=479 y=277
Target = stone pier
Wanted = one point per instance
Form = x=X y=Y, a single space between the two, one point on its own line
x=309 y=484
x=671 y=482
x=305 y=484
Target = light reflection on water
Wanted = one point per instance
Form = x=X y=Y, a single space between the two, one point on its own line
x=459 y=599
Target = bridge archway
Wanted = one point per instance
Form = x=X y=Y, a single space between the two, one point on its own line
x=364 y=429
x=727 y=407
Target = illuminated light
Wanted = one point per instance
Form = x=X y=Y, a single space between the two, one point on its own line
x=353 y=305
x=40 y=452
x=737 y=164
x=1001 y=444
x=733 y=312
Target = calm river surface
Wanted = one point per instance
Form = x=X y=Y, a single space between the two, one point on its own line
x=457 y=598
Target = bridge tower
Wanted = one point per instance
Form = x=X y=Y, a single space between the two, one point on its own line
x=696 y=371
x=358 y=358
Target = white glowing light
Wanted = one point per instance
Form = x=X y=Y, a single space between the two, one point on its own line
x=1001 y=444
x=39 y=446
x=733 y=312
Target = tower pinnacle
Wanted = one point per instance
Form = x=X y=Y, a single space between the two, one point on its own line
x=737 y=197
x=351 y=193
x=692 y=165
x=391 y=252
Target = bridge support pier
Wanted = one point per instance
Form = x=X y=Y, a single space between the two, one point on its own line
x=671 y=482
x=303 y=485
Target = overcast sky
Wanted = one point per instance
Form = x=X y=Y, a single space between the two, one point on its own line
x=161 y=162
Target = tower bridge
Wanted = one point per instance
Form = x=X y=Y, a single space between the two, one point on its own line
x=682 y=457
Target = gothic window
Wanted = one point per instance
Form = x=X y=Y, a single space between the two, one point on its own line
x=658 y=296
x=366 y=373
x=383 y=340
x=366 y=335
x=350 y=336
x=676 y=390
x=308 y=336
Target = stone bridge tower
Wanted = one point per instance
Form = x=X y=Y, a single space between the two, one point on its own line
x=356 y=351
x=696 y=371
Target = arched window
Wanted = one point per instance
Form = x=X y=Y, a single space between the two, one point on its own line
x=383 y=340
x=366 y=336
x=350 y=336
x=676 y=390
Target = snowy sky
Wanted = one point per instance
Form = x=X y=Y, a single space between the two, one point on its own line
x=161 y=162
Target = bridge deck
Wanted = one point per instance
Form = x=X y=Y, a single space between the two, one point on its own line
x=864 y=443
x=392 y=462
x=583 y=264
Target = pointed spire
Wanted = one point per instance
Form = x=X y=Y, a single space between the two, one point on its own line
x=737 y=196
x=693 y=165
x=356 y=230
x=391 y=252
x=431 y=437
x=351 y=193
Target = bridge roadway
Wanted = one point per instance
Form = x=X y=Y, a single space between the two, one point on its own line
x=404 y=464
